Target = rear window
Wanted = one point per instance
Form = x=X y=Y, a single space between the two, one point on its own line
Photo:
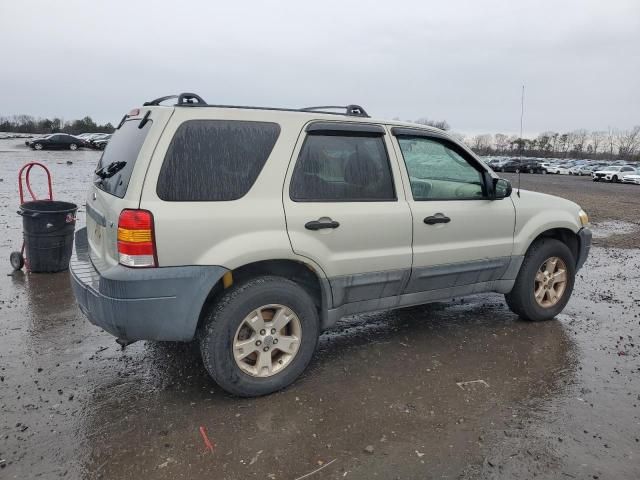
x=124 y=146
x=215 y=160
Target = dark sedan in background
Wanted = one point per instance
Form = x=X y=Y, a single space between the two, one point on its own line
x=56 y=141
x=524 y=165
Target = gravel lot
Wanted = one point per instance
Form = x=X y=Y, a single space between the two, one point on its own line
x=384 y=398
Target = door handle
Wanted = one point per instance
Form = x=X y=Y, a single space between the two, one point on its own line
x=437 y=218
x=319 y=225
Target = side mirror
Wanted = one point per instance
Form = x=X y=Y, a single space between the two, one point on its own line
x=501 y=188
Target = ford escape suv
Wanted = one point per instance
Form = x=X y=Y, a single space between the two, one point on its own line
x=254 y=229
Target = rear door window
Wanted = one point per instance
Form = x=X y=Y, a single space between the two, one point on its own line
x=215 y=160
x=346 y=167
x=119 y=157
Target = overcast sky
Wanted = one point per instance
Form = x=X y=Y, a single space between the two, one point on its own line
x=463 y=61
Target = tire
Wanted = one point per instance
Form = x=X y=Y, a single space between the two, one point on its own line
x=502 y=170
x=544 y=172
x=614 y=179
x=37 y=146
x=17 y=260
x=73 y=147
x=522 y=300
x=517 y=170
x=223 y=324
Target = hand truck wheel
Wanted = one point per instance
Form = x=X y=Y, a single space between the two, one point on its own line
x=17 y=260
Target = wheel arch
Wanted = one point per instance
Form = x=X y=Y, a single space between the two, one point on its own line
x=307 y=276
x=565 y=235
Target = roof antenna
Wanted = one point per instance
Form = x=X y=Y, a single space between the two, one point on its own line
x=521 y=141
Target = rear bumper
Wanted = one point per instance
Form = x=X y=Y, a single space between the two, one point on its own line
x=141 y=304
x=584 y=245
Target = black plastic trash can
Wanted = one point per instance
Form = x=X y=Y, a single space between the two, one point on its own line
x=48 y=228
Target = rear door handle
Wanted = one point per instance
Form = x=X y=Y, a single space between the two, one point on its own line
x=319 y=225
x=437 y=218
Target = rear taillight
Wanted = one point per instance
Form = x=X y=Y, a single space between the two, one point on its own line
x=136 y=240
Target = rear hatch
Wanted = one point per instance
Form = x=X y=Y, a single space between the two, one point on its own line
x=118 y=179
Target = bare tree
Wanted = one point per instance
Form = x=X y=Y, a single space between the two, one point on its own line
x=441 y=124
x=481 y=143
x=611 y=140
x=578 y=139
x=501 y=142
x=563 y=144
x=597 y=139
x=628 y=141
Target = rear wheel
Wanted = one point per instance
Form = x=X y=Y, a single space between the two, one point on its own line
x=259 y=336
x=545 y=281
x=73 y=146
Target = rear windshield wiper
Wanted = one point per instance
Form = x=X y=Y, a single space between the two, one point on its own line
x=110 y=170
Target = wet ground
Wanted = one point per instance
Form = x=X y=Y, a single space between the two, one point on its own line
x=456 y=390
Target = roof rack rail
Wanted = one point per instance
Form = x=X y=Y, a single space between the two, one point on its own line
x=350 y=110
x=184 y=100
x=194 y=100
x=158 y=101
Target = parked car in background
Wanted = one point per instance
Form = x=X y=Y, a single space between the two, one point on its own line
x=524 y=165
x=496 y=163
x=586 y=169
x=101 y=142
x=558 y=169
x=613 y=173
x=56 y=141
x=632 y=178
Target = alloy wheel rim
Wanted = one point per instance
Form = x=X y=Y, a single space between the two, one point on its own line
x=267 y=340
x=550 y=282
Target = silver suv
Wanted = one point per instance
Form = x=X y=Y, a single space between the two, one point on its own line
x=254 y=229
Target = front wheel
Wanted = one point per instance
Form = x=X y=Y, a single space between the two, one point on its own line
x=614 y=179
x=37 y=146
x=545 y=281
x=259 y=336
x=73 y=146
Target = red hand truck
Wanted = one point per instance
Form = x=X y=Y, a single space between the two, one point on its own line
x=18 y=259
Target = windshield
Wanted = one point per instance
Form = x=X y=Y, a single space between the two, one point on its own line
x=119 y=157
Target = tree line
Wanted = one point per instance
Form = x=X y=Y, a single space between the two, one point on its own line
x=600 y=144
x=29 y=124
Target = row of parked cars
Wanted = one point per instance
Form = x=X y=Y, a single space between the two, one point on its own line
x=616 y=171
x=64 y=141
